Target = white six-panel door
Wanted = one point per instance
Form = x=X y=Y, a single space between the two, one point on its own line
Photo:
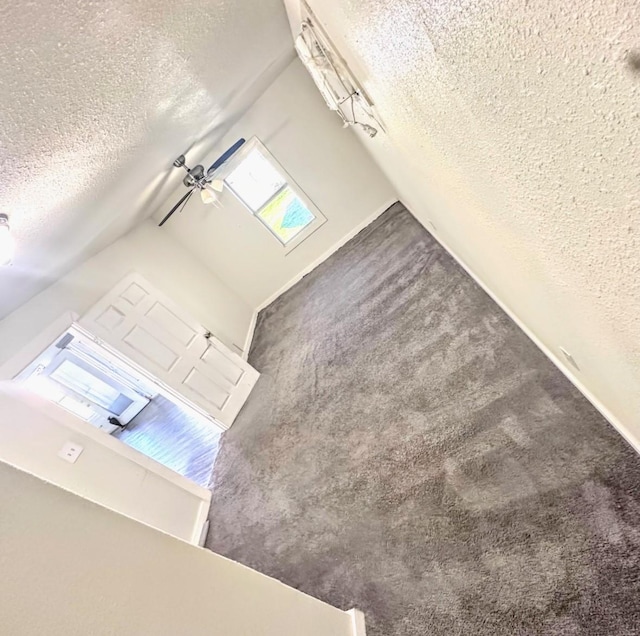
x=155 y=333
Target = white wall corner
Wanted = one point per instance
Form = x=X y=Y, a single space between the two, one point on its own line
x=201 y=524
x=250 y=333
x=628 y=434
x=38 y=343
x=358 y=627
x=323 y=257
x=204 y=532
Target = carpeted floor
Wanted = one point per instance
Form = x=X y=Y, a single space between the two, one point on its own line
x=409 y=451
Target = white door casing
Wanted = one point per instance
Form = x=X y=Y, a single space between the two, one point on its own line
x=143 y=324
x=103 y=406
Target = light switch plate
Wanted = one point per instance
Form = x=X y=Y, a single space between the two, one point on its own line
x=70 y=452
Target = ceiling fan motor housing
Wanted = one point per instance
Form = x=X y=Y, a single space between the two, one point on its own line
x=195 y=175
x=198 y=178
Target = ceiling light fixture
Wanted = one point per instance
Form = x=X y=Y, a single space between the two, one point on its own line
x=6 y=241
x=217 y=185
x=210 y=182
x=208 y=195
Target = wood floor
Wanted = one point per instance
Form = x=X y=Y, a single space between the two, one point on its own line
x=171 y=436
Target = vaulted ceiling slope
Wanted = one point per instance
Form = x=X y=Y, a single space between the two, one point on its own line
x=97 y=100
x=514 y=127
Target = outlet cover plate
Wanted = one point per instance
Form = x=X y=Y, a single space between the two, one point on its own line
x=70 y=452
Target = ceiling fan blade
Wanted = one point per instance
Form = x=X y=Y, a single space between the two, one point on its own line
x=183 y=202
x=225 y=156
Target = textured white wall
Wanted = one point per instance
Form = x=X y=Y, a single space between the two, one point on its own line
x=515 y=128
x=99 y=98
x=326 y=161
x=71 y=567
x=122 y=481
x=160 y=259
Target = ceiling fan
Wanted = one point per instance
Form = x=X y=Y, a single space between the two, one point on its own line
x=205 y=181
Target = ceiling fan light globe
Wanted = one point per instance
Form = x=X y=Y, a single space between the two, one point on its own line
x=208 y=195
x=217 y=185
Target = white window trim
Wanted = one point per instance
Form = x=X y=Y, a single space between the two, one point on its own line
x=317 y=222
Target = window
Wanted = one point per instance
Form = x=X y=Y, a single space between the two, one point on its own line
x=272 y=196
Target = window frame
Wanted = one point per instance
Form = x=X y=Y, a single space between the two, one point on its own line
x=238 y=158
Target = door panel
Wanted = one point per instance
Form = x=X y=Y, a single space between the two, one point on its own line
x=155 y=333
x=227 y=368
x=170 y=323
x=151 y=348
x=110 y=318
x=69 y=378
x=213 y=393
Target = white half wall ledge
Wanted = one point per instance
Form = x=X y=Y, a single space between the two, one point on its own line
x=89 y=549
x=358 y=625
x=108 y=473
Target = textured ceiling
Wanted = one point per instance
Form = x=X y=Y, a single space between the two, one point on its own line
x=514 y=126
x=98 y=98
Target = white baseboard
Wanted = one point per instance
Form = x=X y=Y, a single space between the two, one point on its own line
x=323 y=257
x=631 y=438
x=203 y=533
x=251 y=331
x=358 y=627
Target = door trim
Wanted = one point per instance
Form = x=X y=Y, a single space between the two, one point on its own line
x=74 y=423
x=23 y=358
x=164 y=388
x=183 y=360
x=16 y=364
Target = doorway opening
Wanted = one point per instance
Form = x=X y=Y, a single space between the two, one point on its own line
x=87 y=378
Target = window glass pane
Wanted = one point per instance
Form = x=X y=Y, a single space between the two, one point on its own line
x=255 y=180
x=286 y=215
x=86 y=384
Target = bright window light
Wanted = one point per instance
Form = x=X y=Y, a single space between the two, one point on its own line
x=264 y=188
x=255 y=180
x=286 y=214
x=87 y=385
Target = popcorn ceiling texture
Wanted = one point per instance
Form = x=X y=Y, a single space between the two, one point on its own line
x=97 y=100
x=514 y=126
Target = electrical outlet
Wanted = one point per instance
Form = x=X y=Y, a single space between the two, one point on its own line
x=70 y=452
x=570 y=359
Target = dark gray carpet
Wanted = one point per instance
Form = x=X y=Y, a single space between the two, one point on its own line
x=410 y=452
